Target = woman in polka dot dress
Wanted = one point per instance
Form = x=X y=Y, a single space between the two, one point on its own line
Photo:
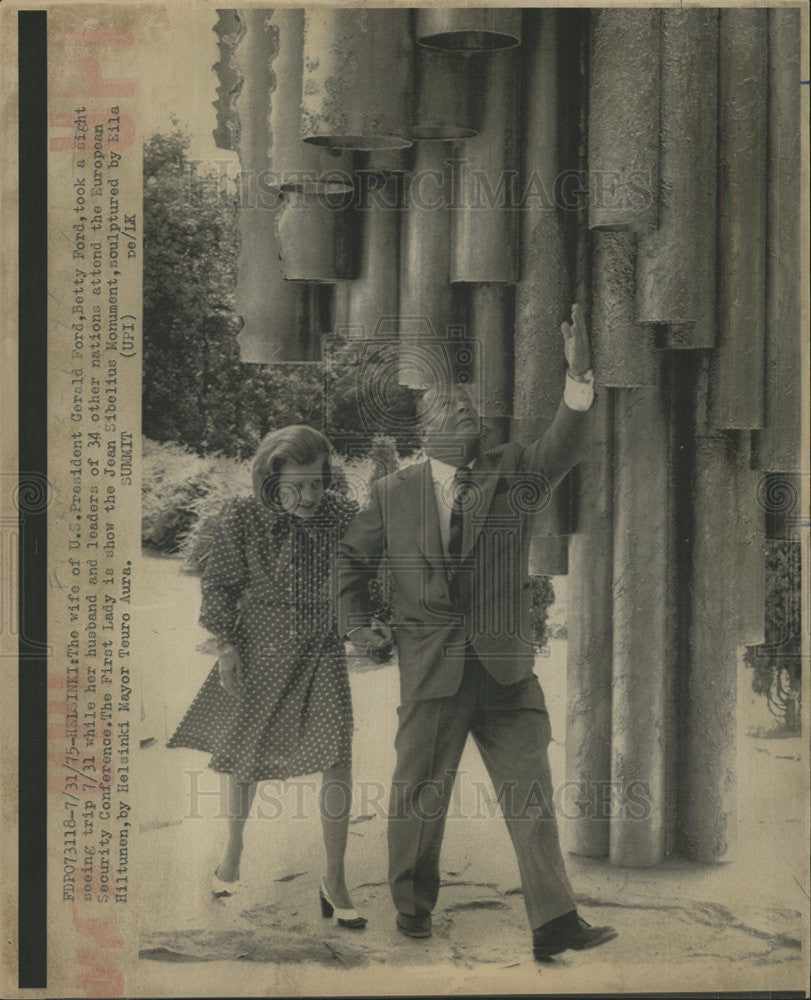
x=277 y=702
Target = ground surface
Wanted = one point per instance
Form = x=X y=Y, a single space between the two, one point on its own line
x=682 y=926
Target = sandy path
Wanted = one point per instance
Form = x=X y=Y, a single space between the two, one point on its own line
x=682 y=925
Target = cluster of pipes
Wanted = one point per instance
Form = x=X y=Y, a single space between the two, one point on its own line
x=449 y=182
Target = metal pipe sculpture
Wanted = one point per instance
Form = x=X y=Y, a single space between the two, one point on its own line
x=357 y=84
x=485 y=218
x=471 y=29
x=676 y=263
x=742 y=228
x=624 y=119
x=625 y=353
x=642 y=653
x=779 y=444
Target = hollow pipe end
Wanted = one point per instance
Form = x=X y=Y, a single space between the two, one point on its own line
x=363 y=142
x=470 y=41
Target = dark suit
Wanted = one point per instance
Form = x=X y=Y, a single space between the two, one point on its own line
x=465 y=657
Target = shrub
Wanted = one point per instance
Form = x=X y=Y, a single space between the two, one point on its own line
x=776 y=663
x=543 y=596
x=177 y=485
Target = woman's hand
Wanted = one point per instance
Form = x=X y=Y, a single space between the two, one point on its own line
x=375 y=642
x=230 y=666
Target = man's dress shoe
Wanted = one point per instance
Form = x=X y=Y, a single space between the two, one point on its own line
x=415 y=925
x=568 y=931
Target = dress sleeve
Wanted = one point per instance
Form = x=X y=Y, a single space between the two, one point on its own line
x=224 y=576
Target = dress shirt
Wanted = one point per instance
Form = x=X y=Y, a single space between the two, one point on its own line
x=578 y=394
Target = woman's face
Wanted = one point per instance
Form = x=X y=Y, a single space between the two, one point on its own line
x=300 y=487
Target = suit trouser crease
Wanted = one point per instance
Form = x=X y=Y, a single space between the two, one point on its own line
x=511 y=728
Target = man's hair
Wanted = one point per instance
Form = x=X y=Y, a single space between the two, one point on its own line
x=434 y=392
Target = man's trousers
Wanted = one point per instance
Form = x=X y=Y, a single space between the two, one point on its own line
x=511 y=728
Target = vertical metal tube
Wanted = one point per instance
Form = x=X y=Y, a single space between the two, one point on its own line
x=742 y=231
x=642 y=647
x=624 y=351
x=778 y=447
x=357 y=85
x=447 y=94
x=294 y=163
x=472 y=29
x=229 y=29
x=367 y=307
x=707 y=804
x=490 y=329
x=276 y=314
x=589 y=649
x=676 y=263
x=428 y=307
x=624 y=119
x=484 y=226
x=315 y=234
x=543 y=294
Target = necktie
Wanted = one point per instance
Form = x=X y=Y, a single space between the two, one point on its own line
x=462 y=480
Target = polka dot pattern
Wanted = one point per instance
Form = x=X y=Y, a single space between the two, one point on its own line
x=267 y=588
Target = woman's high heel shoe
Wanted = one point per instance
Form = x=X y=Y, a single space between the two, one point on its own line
x=223 y=890
x=346 y=918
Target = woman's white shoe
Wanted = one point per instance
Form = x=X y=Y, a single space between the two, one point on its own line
x=345 y=917
x=223 y=890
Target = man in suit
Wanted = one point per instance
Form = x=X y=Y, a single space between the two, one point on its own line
x=450 y=533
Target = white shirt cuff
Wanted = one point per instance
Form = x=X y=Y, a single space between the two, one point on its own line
x=577 y=394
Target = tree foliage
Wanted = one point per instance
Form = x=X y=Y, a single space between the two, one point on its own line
x=196 y=392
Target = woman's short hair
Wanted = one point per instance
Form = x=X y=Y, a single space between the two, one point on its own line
x=297 y=443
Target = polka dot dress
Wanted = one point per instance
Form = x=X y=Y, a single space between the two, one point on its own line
x=266 y=589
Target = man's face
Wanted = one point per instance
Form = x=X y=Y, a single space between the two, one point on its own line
x=447 y=419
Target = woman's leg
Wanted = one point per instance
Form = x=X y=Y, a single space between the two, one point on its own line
x=240 y=799
x=336 y=802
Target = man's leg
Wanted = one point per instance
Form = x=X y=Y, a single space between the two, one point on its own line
x=511 y=728
x=430 y=739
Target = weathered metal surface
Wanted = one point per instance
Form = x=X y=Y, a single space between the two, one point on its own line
x=252 y=57
x=276 y=313
x=706 y=816
x=749 y=536
x=490 y=326
x=357 y=83
x=625 y=354
x=743 y=64
x=229 y=29
x=382 y=161
x=778 y=446
x=543 y=295
x=549 y=555
x=367 y=307
x=277 y=322
x=447 y=89
x=473 y=29
x=676 y=264
x=484 y=223
x=292 y=162
x=428 y=305
x=315 y=234
x=589 y=648
x=624 y=119
x=642 y=643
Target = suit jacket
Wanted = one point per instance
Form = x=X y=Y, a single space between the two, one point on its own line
x=487 y=605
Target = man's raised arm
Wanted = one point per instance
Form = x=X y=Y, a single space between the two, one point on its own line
x=564 y=443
